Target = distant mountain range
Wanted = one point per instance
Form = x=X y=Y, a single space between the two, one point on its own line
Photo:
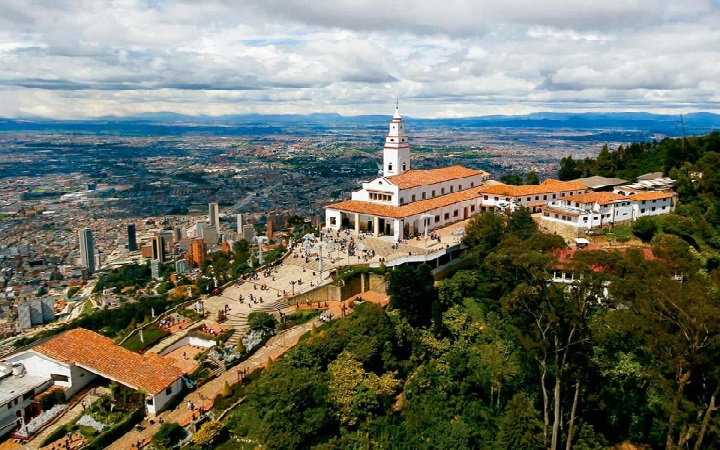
x=172 y=123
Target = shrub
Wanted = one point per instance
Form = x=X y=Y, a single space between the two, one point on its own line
x=104 y=439
x=208 y=433
x=168 y=435
x=260 y=320
x=52 y=398
x=645 y=228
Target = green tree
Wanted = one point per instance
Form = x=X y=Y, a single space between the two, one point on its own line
x=519 y=428
x=512 y=178
x=568 y=169
x=357 y=394
x=645 y=228
x=532 y=178
x=483 y=233
x=259 y=320
x=521 y=224
x=412 y=292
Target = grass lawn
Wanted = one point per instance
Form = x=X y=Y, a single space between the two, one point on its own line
x=151 y=334
x=303 y=316
x=87 y=307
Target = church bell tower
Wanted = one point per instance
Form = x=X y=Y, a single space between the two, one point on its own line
x=396 y=152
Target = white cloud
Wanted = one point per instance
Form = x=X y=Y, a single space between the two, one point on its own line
x=86 y=58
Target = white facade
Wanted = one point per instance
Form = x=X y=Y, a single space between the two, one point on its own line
x=71 y=377
x=155 y=403
x=17 y=391
x=598 y=209
x=404 y=202
x=383 y=191
x=74 y=377
x=87 y=252
x=533 y=196
x=652 y=207
x=396 y=153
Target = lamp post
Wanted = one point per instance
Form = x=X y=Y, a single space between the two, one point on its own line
x=292 y=283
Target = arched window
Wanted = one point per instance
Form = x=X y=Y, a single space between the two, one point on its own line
x=390 y=167
x=404 y=169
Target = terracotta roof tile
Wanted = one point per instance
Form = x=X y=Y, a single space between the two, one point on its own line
x=414 y=178
x=650 y=196
x=546 y=187
x=411 y=209
x=601 y=198
x=151 y=373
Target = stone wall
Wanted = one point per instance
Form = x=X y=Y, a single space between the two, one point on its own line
x=356 y=285
x=568 y=232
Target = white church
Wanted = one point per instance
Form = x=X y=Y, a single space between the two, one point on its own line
x=402 y=201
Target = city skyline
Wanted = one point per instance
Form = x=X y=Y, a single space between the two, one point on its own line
x=72 y=60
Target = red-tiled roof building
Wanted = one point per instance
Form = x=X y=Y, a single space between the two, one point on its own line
x=76 y=357
x=596 y=209
x=403 y=201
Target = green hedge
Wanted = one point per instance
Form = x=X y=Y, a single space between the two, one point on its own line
x=151 y=334
x=57 y=433
x=104 y=439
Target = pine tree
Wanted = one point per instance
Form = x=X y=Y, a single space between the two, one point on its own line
x=520 y=427
x=240 y=346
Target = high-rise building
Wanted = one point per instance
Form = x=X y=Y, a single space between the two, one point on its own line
x=270 y=224
x=198 y=249
x=239 y=223
x=181 y=266
x=210 y=236
x=214 y=216
x=155 y=269
x=87 y=254
x=158 y=248
x=248 y=232
x=132 y=239
x=177 y=234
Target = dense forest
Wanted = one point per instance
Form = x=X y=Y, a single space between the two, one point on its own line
x=498 y=356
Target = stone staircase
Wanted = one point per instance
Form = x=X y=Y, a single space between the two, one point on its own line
x=239 y=320
x=218 y=366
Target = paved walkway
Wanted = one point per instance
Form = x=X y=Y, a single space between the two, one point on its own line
x=68 y=416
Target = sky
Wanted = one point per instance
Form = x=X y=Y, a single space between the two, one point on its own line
x=74 y=59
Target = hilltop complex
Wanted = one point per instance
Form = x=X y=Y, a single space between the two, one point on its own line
x=403 y=202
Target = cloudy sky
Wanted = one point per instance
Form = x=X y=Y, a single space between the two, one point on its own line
x=441 y=58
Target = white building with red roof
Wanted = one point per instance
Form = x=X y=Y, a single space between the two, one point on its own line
x=403 y=201
x=76 y=357
x=596 y=209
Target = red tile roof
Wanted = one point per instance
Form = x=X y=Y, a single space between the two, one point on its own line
x=650 y=196
x=601 y=198
x=98 y=354
x=546 y=187
x=411 y=209
x=565 y=256
x=414 y=178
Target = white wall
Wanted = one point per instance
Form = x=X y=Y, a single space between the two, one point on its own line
x=41 y=365
x=338 y=221
x=492 y=200
x=37 y=364
x=161 y=399
x=662 y=206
